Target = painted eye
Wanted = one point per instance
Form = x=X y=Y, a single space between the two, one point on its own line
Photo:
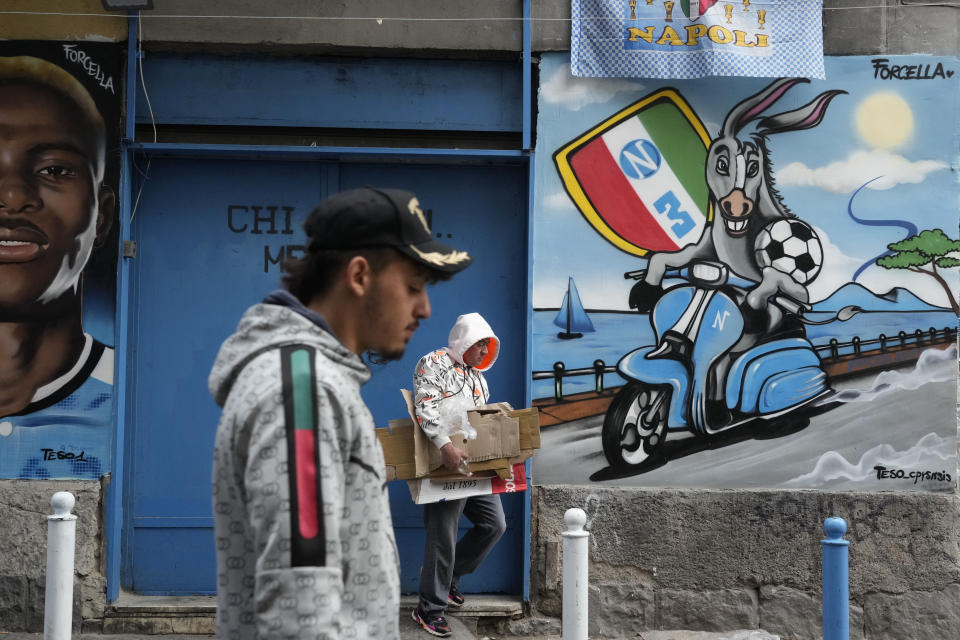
x=722 y=166
x=56 y=171
x=753 y=168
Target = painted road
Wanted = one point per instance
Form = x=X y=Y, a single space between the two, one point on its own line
x=903 y=421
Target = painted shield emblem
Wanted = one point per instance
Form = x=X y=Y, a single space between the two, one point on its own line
x=694 y=9
x=638 y=177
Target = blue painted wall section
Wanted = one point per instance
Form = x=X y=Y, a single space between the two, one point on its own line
x=452 y=95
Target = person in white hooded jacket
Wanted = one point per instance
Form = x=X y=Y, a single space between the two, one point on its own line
x=448 y=382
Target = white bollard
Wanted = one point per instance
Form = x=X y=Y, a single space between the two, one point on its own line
x=575 y=575
x=61 y=543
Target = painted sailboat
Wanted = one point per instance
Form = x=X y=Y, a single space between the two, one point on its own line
x=572 y=317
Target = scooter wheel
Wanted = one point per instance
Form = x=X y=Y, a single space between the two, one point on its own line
x=635 y=425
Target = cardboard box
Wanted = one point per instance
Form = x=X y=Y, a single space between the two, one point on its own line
x=505 y=437
x=424 y=490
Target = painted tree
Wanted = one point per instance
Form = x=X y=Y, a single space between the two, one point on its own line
x=924 y=253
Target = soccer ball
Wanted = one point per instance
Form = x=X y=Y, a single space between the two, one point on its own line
x=791 y=246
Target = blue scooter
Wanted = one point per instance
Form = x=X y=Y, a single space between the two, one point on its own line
x=695 y=379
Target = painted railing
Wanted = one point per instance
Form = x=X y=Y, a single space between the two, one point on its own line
x=560 y=372
x=834 y=350
x=830 y=352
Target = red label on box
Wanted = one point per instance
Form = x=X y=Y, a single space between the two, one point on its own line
x=516 y=482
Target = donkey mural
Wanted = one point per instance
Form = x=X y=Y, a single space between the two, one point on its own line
x=740 y=180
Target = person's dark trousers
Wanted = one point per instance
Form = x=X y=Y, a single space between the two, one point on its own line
x=445 y=559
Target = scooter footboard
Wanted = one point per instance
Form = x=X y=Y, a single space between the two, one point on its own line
x=660 y=372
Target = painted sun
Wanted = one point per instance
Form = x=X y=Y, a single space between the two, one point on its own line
x=884 y=120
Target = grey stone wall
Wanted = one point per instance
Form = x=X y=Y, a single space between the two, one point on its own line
x=24 y=507
x=493 y=27
x=722 y=560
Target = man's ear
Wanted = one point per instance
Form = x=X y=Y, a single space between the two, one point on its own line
x=359 y=276
x=106 y=214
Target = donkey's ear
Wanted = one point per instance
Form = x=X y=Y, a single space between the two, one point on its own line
x=752 y=107
x=806 y=117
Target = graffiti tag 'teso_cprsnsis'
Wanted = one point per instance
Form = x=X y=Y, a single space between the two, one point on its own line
x=886 y=473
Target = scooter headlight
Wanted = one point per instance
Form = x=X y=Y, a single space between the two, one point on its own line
x=709 y=274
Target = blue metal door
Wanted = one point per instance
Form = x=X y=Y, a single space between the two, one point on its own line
x=211 y=235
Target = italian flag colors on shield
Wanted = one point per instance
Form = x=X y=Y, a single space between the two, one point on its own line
x=638 y=177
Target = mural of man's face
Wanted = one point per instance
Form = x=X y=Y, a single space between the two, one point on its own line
x=53 y=208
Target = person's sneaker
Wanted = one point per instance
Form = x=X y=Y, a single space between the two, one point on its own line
x=434 y=624
x=455 y=598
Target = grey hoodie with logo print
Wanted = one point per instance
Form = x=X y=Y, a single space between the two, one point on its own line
x=305 y=544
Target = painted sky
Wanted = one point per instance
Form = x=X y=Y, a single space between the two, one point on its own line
x=903 y=132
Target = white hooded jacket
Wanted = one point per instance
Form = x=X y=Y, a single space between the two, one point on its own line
x=445 y=387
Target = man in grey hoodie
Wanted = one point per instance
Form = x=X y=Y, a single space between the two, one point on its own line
x=447 y=383
x=305 y=543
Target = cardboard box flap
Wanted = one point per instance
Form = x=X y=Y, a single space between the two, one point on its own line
x=529 y=427
x=497 y=406
x=498 y=435
x=397 y=444
x=426 y=456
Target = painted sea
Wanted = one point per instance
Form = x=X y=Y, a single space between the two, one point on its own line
x=618 y=333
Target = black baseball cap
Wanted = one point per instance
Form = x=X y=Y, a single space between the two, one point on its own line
x=374 y=217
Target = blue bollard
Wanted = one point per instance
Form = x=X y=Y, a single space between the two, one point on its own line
x=836 y=583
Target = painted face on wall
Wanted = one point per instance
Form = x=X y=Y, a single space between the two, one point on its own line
x=52 y=207
x=733 y=175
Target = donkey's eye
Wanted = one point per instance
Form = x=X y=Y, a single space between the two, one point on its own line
x=753 y=168
x=722 y=166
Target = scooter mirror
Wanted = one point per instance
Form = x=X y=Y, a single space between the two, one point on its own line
x=848 y=312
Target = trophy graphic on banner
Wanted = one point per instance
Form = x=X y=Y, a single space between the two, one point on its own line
x=633 y=9
x=761 y=17
x=668 y=5
x=746 y=6
x=728 y=12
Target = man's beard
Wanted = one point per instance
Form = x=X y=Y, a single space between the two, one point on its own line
x=375 y=357
x=372 y=312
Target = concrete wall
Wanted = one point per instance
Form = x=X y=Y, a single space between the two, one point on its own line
x=425 y=27
x=24 y=507
x=35 y=20
x=724 y=560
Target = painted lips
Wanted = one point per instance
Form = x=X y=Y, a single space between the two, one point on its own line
x=21 y=244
